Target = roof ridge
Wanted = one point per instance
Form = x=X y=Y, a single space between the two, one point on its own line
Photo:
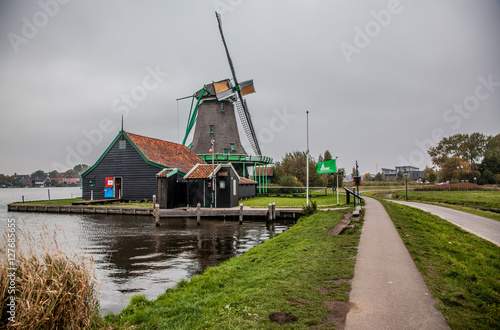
x=152 y=138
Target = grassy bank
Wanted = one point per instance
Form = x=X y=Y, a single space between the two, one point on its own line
x=460 y=269
x=329 y=200
x=487 y=199
x=301 y=271
x=60 y=202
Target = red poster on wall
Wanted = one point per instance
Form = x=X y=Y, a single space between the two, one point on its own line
x=110 y=182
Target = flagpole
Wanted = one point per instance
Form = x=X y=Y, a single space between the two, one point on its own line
x=307 y=159
x=337 y=170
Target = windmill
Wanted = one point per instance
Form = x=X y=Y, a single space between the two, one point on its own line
x=213 y=118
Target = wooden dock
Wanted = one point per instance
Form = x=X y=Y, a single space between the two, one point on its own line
x=248 y=213
x=80 y=209
x=252 y=213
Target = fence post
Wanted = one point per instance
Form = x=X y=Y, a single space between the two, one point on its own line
x=270 y=212
x=154 y=199
x=198 y=213
x=241 y=213
x=274 y=211
x=157 y=215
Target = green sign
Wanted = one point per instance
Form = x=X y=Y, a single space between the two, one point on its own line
x=327 y=167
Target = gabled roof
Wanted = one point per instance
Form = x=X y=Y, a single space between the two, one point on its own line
x=159 y=153
x=201 y=171
x=247 y=181
x=164 y=153
x=204 y=171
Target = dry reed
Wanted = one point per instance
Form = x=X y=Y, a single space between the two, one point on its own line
x=52 y=290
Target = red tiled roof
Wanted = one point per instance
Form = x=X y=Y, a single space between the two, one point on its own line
x=202 y=171
x=246 y=181
x=168 y=154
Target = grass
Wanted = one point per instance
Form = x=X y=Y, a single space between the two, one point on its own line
x=476 y=198
x=59 y=202
x=284 y=274
x=460 y=269
x=52 y=290
x=329 y=200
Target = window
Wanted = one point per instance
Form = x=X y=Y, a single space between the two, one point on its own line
x=226 y=151
x=232 y=147
x=211 y=129
x=122 y=144
x=91 y=183
x=222 y=184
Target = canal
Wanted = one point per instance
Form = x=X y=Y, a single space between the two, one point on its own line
x=132 y=255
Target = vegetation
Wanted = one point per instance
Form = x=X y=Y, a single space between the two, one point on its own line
x=322 y=201
x=458 y=157
x=299 y=271
x=310 y=209
x=293 y=166
x=52 y=291
x=477 y=198
x=39 y=175
x=59 y=202
x=460 y=269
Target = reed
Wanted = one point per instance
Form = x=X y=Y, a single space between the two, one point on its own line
x=52 y=290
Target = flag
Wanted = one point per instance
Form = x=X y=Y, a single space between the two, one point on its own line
x=329 y=166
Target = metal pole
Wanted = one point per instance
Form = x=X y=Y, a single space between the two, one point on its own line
x=337 y=169
x=213 y=174
x=307 y=159
x=406 y=182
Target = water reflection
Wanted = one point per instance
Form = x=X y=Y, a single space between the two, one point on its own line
x=138 y=257
x=131 y=254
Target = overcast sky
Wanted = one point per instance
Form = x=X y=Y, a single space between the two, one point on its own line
x=382 y=80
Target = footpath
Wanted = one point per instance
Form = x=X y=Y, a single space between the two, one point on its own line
x=485 y=228
x=388 y=291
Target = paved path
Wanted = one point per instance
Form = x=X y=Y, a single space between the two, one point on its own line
x=388 y=291
x=485 y=228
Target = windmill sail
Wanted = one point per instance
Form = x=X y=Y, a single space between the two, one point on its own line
x=244 y=115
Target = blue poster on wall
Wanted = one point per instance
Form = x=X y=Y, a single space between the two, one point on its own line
x=109 y=192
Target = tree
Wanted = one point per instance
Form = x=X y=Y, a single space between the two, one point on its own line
x=367 y=177
x=468 y=148
x=379 y=177
x=491 y=160
x=328 y=156
x=294 y=163
x=430 y=174
x=80 y=168
x=54 y=174
x=70 y=174
x=39 y=174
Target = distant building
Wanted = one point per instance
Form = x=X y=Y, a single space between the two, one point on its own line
x=414 y=173
x=389 y=173
x=66 y=181
x=24 y=180
x=128 y=168
x=41 y=182
x=264 y=174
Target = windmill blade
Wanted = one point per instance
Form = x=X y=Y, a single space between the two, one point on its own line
x=242 y=107
x=246 y=122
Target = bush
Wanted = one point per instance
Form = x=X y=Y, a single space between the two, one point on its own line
x=52 y=291
x=310 y=209
x=453 y=187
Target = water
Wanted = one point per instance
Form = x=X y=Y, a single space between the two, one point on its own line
x=131 y=254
